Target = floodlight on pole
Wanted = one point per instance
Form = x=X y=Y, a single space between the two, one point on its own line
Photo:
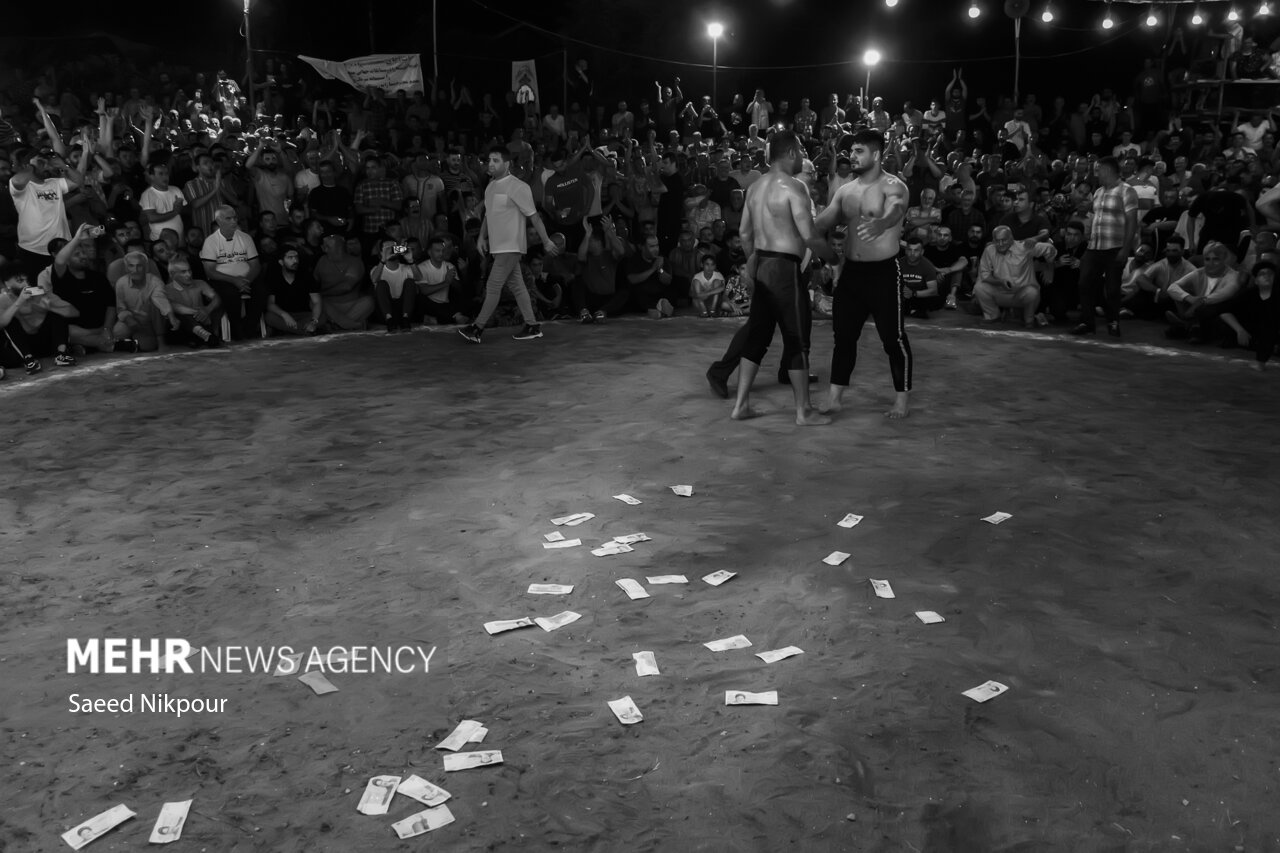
x=1152 y=20
x=870 y=58
x=974 y=11
x=715 y=29
x=1233 y=15
x=891 y=3
x=1264 y=9
x=1047 y=15
x=1196 y=18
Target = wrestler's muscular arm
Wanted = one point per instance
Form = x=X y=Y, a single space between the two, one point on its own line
x=895 y=208
x=746 y=228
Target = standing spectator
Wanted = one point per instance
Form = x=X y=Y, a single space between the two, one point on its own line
x=272 y=184
x=162 y=205
x=670 y=202
x=38 y=189
x=759 y=110
x=1111 y=237
x=669 y=100
x=203 y=194
x=508 y=204
x=377 y=199
x=331 y=203
x=231 y=267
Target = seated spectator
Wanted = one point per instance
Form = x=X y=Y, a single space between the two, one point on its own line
x=440 y=295
x=706 y=288
x=684 y=261
x=1024 y=220
x=925 y=214
x=596 y=294
x=546 y=289
x=195 y=304
x=395 y=287
x=700 y=210
x=76 y=280
x=1150 y=298
x=232 y=268
x=1006 y=278
x=948 y=258
x=1061 y=291
x=142 y=308
x=341 y=278
x=648 y=280
x=33 y=323
x=293 y=300
x=919 y=280
x=1201 y=298
x=1255 y=316
x=1132 y=276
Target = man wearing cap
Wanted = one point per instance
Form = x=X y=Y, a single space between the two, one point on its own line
x=38 y=189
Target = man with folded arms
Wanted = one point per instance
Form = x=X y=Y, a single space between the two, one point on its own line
x=1006 y=276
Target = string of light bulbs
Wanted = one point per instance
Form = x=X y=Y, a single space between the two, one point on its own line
x=1152 y=19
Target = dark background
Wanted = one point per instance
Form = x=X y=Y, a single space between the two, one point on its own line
x=921 y=40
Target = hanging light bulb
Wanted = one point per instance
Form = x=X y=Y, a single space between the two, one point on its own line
x=974 y=11
x=1047 y=15
x=1152 y=20
x=1196 y=18
x=1107 y=23
x=1233 y=15
x=1265 y=8
x=891 y=3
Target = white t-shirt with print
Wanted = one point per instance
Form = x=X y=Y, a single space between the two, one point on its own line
x=231 y=257
x=162 y=201
x=41 y=214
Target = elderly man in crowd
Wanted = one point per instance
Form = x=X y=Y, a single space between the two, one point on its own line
x=142 y=308
x=232 y=268
x=1006 y=276
x=1201 y=297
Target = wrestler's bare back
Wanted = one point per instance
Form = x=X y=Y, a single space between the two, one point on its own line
x=777 y=217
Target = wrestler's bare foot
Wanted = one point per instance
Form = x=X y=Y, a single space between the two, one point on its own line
x=831 y=404
x=899 y=410
x=811 y=418
x=744 y=413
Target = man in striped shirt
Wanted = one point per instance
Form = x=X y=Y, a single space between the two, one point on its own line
x=1112 y=233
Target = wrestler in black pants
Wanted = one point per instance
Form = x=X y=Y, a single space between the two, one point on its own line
x=728 y=363
x=778 y=301
x=870 y=289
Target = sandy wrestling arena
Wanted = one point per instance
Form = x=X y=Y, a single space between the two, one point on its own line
x=395 y=491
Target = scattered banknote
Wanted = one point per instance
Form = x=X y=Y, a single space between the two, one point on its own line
x=288 y=664
x=645 y=664
x=317 y=682
x=882 y=588
x=479 y=736
x=717 y=578
x=849 y=520
x=683 y=491
x=997 y=517
x=928 y=617
x=169 y=824
x=553 y=536
x=983 y=692
x=741 y=697
x=627 y=499
x=631 y=538
x=550 y=589
x=377 y=795
x=573 y=520
x=738 y=642
x=467 y=760
x=508 y=625
x=97 y=826
x=461 y=734
x=657 y=579
x=550 y=623
x=779 y=654
x=562 y=543
x=632 y=588
x=422 y=822
x=835 y=558
x=609 y=549
x=417 y=788
x=625 y=710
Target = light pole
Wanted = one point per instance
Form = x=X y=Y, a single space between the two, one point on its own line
x=715 y=30
x=248 y=63
x=870 y=59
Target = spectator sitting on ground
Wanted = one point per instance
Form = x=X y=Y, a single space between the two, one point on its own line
x=649 y=280
x=194 y=303
x=1006 y=278
x=706 y=287
x=341 y=278
x=919 y=281
x=33 y=323
x=395 y=287
x=1150 y=299
x=596 y=294
x=948 y=258
x=142 y=309
x=293 y=301
x=439 y=288
x=76 y=280
x=1200 y=298
x=546 y=289
x=1256 y=313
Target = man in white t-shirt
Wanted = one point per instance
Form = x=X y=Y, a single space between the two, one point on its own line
x=437 y=286
x=1017 y=132
x=508 y=205
x=231 y=266
x=162 y=204
x=38 y=189
x=1254 y=129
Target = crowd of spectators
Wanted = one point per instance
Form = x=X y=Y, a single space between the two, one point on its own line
x=170 y=214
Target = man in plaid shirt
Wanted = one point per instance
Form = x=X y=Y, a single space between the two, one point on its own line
x=1111 y=239
x=378 y=199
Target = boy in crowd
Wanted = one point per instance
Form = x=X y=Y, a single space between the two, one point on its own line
x=707 y=288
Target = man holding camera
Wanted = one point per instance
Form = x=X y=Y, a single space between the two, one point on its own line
x=32 y=323
x=38 y=189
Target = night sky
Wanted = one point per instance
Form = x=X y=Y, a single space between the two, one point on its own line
x=919 y=39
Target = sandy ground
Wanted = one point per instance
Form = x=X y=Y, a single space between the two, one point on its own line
x=387 y=491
